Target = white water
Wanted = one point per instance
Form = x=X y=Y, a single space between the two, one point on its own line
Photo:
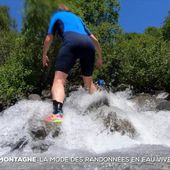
x=81 y=130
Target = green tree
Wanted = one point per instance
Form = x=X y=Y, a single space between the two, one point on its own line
x=6 y=22
x=153 y=31
x=166 y=28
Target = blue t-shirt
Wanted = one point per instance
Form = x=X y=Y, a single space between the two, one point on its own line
x=64 y=21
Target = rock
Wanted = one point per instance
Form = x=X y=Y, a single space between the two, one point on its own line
x=40 y=146
x=163 y=95
x=98 y=103
x=38 y=132
x=1 y=107
x=115 y=123
x=37 y=129
x=168 y=98
x=46 y=94
x=145 y=101
x=20 y=144
x=164 y=105
x=54 y=129
x=34 y=97
x=122 y=87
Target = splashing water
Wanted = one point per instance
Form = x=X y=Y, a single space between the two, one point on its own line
x=83 y=128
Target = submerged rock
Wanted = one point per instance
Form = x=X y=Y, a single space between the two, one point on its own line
x=39 y=129
x=115 y=123
x=164 y=105
x=98 y=103
x=20 y=144
x=40 y=146
x=146 y=102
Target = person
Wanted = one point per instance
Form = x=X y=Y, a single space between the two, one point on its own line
x=77 y=43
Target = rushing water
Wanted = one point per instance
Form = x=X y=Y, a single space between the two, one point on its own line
x=83 y=129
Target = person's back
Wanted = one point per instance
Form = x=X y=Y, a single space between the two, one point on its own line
x=64 y=21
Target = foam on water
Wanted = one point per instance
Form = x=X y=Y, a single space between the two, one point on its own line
x=81 y=129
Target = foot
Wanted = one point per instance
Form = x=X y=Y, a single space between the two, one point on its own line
x=56 y=118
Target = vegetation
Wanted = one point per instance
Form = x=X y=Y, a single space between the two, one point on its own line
x=139 y=60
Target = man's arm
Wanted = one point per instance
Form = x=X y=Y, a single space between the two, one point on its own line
x=47 y=42
x=98 y=49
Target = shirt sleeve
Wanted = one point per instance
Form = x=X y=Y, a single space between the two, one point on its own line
x=86 y=28
x=52 y=28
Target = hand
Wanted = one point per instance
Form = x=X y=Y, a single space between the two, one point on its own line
x=99 y=62
x=45 y=61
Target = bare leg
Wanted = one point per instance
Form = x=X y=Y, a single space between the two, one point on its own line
x=88 y=83
x=58 y=92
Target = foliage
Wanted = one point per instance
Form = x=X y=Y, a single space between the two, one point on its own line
x=143 y=62
x=13 y=75
x=166 y=27
x=6 y=22
x=7 y=44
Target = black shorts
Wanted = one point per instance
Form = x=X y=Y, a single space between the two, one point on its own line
x=76 y=46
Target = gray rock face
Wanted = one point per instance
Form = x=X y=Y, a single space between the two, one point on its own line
x=111 y=118
x=40 y=146
x=114 y=123
x=46 y=94
x=39 y=129
x=164 y=105
x=34 y=97
x=145 y=102
x=98 y=103
x=20 y=144
x=163 y=95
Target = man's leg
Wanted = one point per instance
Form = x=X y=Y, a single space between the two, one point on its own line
x=58 y=92
x=88 y=83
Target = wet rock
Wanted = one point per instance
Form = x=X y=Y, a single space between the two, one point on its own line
x=145 y=101
x=168 y=98
x=20 y=144
x=1 y=107
x=40 y=146
x=72 y=88
x=54 y=129
x=115 y=123
x=34 y=97
x=163 y=95
x=46 y=94
x=122 y=87
x=98 y=103
x=39 y=132
x=56 y=132
x=164 y=105
x=37 y=129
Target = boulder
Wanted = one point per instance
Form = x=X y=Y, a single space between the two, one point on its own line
x=46 y=94
x=164 y=105
x=115 y=123
x=34 y=97
x=40 y=146
x=163 y=95
x=39 y=129
x=98 y=103
x=145 y=101
x=19 y=144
